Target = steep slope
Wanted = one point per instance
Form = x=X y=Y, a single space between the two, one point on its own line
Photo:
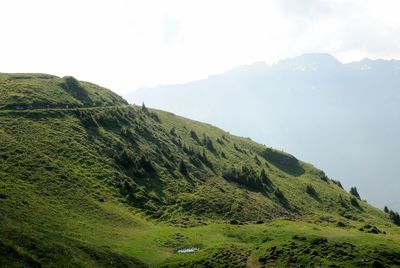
x=308 y=105
x=103 y=186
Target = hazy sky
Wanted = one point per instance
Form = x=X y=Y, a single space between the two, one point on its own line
x=126 y=44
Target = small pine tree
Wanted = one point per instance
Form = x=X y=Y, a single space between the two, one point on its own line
x=338 y=183
x=395 y=217
x=354 y=202
x=144 y=108
x=173 y=132
x=183 y=168
x=385 y=209
x=209 y=144
x=353 y=191
x=147 y=165
x=194 y=136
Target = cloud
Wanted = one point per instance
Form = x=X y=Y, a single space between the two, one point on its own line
x=305 y=8
x=145 y=43
x=348 y=29
x=171 y=29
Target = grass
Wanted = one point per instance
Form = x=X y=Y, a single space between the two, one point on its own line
x=32 y=91
x=105 y=186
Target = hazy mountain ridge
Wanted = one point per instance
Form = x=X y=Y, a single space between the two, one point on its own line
x=310 y=105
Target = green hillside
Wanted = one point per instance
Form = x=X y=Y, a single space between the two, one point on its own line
x=33 y=91
x=127 y=186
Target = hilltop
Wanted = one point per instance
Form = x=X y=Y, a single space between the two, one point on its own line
x=121 y=185
x=35 y=91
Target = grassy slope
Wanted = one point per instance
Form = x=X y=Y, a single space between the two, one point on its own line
x=104 y=186
x=43 y=91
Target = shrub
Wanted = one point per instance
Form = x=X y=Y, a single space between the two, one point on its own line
x=203 y=158
x=220 y=141
x=155 y=117
x=172 y=132
x=311 y=191
x=183 y=168
x=223 y=154
x=237 y=148
x=338 y=183
x=354 y=202
x=323 y=176
x=209 y=144
x=147 y=165
x=194 y=136
x=246 y=177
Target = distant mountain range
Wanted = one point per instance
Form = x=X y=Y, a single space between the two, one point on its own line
x=341 y=117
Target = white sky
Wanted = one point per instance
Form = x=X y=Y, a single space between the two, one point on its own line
x=127 y=44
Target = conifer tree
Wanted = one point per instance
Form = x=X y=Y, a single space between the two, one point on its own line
x=183 y=168
x=353 y=191
x=385 y=209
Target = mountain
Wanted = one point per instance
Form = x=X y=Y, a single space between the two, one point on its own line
x=342 y=117
x=119 y=185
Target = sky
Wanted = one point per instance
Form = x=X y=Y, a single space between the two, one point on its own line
x=129 y=44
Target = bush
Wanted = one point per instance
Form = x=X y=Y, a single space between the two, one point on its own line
x=172 y=132
x=311 y=191
x=286 y=162
x=147 y=165
x=246 y=177
x=338 y=183
x=221 y=142
x=323 y=176
x=183 y=168
x=354 y=202
x=209 y=144
x=203 y=158
x=194 y=136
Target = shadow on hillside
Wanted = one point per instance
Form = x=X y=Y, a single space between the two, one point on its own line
x=285 y=162
x=74 y=88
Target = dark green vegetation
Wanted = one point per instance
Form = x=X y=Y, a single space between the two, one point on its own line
x=129 y=186
x=354 y=191
x=394 y=216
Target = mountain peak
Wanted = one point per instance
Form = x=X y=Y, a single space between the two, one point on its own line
x=309 y=62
